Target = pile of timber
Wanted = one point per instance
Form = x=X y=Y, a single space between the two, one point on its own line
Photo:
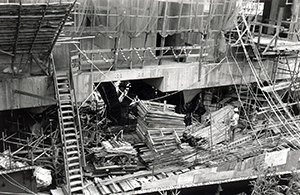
x=159 y=127
x=155 y=160
x=219 y=121
x=160 y=115
x=114 y=157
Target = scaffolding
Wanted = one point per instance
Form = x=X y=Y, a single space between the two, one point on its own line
x=142 y=32
x=278 y=99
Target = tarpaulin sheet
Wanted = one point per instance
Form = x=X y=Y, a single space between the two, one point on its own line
x=133 y=17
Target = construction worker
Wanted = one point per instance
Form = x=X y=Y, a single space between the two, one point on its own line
x=233 y=124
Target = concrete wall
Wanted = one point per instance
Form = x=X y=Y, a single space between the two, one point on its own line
x=39 y=85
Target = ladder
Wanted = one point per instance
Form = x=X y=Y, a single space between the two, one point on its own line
x=70 y=133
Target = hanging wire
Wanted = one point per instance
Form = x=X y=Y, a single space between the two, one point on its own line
x=123 y=55
x=175 y=55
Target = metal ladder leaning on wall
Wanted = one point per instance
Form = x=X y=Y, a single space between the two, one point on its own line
x=70 y=130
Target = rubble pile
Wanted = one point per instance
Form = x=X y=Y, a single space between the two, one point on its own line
x=7 y=162
x=115 y=156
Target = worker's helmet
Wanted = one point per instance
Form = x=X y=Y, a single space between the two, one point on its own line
x=235 y=109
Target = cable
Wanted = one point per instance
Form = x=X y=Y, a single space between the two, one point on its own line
x=14 y=193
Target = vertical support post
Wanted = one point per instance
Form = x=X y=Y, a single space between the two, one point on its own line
x=165 y=105
x=10 y=157
x=92 y=70
x=130 y=45
x=210 y=133
x=3 y=142
x=116 y=47
x=278 y=26
x=259 y=36
x=200 y=56
x=179 y=16
x=162 y=42
x=273 y=16
x=274 y=70
x=144 y=52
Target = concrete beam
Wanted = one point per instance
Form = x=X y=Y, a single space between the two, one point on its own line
x=172 y=77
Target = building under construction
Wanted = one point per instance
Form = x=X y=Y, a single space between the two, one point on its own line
x=136 y=96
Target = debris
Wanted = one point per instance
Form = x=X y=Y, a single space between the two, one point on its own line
x=114 y=157
x=6 y=161
x=43 y=176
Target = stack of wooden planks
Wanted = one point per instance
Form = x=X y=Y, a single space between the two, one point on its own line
x=217 y=131
x=159 y=127
x=159 y=115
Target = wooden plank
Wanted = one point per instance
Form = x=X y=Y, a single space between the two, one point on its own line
x=125 y=187
x=93 y=190
x=134 y=184
x=104 y=189
x=116 y=187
